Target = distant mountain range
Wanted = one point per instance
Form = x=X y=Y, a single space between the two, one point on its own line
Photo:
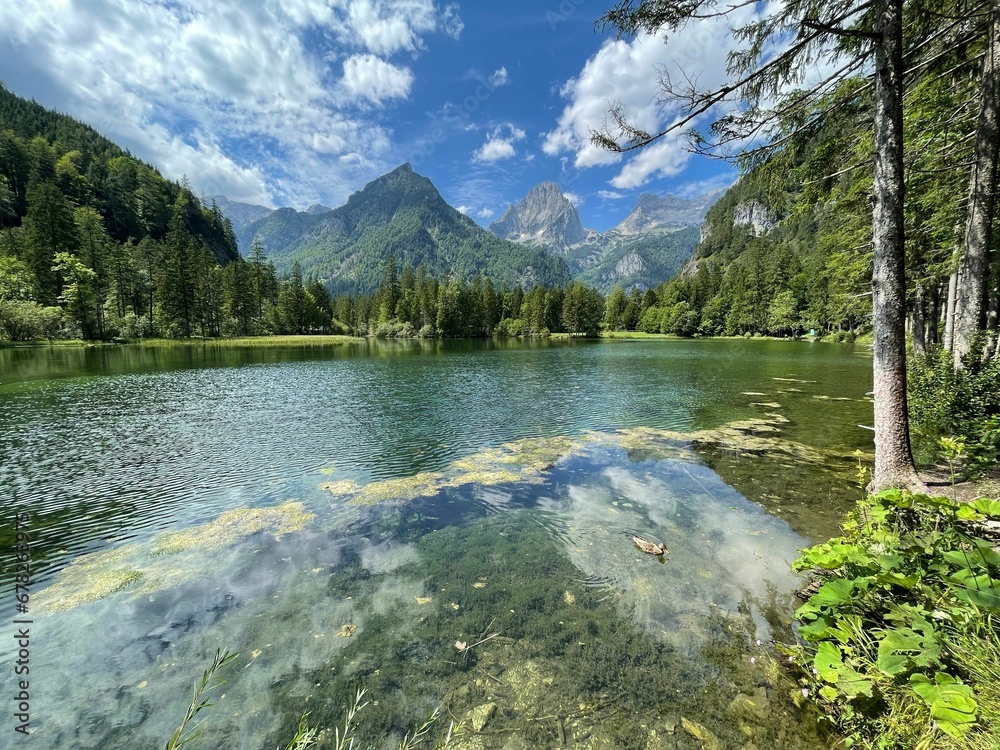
x=648 y=247
x=401 y=214
x=538 y=240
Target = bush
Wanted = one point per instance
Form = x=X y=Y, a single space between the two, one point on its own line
x=910 y=591
x=24 y=321
x=963 y=405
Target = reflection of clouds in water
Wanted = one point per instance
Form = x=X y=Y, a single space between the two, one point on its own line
x=268 y=599
x=387 y=556
x=722 y=547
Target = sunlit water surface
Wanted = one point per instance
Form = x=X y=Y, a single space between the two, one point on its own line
x=347 y=514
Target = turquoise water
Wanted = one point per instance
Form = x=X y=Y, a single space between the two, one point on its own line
x=395 y=497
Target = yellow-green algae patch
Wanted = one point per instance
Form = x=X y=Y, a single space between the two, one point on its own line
x=518 y=461
x=404 y=489
x=88 y=579
x=234 y=525
x=341 y=487
x=101 y=574
x=647 y=443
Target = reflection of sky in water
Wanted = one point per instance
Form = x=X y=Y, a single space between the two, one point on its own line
x=722 y=547
x=120 y=670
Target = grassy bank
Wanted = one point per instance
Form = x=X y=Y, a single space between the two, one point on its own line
x=239 y=341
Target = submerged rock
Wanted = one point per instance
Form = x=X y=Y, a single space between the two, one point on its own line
x=480 y=716
x=701 y=733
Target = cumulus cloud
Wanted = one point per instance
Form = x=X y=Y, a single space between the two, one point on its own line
x=575 y=198
x=485 y=213
x=158 y=77
x=610 y=195
x=375 y=79
x=499 y=144
x=499 y=77
x=464 y=209
x=627 y=72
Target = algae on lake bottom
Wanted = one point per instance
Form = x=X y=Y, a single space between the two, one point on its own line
x=99 y=575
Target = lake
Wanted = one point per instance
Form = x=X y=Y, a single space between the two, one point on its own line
x=444 y=523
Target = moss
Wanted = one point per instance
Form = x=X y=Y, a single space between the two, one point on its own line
x=232 y=526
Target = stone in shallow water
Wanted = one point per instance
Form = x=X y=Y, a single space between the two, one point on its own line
x=480 y=716
x=701 y=733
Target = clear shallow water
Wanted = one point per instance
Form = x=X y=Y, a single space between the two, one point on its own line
x=110 y=449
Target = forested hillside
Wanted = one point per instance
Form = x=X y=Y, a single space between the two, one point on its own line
x=788 y=248
x=95 y=243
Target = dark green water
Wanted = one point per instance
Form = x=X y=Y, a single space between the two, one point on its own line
x=112 y=449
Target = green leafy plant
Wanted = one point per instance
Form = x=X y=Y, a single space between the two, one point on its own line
x=910 y=575
x=182 y=735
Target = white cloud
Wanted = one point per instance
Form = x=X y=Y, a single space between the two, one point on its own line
x=499 y=77
x=375 y=79
x=499 y=144
x=627 y=72
x=575 y=198
x=464 y=209
x=157 y=77
x=610 y=195
x=485 y=213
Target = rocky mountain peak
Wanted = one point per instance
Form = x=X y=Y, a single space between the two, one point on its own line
x=666 y=212
x=545 y=216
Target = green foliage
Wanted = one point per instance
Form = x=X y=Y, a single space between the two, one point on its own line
x=182 y=735
x=23 y=320
x=85 y=225
x=911 y=577
x=963 y=406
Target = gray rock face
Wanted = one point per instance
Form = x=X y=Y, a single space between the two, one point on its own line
x=318 y=208
x=667 y=212
x=755 y=215
x=544 y=217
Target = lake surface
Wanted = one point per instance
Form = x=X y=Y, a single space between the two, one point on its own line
x=351 y=515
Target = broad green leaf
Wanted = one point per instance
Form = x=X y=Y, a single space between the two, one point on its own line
x=836 y=592
x=903 y=648
x=968 y=513
x=987 y=507
x=951 y=702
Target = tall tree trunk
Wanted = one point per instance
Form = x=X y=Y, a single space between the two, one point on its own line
x=893 y=454
x=949 y=312
x=917 y=327
x=933 y=313
x=970 y=300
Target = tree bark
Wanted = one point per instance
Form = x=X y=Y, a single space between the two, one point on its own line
x=933 y=313
x=970 y=299
x=918 y=328
x=949 y=312
x=893 y=454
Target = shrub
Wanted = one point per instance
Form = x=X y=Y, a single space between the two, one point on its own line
x=23 y=321
x=962 y=405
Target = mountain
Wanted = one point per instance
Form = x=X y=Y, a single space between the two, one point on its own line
x=317 y=208
x=400 y=214
x=647 y=248
x=544 y=217
x=239 y=214
x=667 y=212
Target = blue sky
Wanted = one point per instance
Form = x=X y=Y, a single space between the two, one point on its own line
x=294 y=102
